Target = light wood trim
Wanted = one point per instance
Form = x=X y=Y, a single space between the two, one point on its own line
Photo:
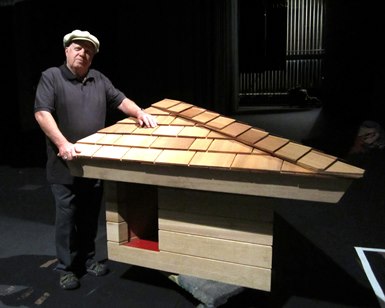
x=115 y=201
x=324 y=189
x=117 y=232
x=237 y=274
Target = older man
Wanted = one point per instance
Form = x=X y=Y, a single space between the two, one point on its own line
x=71 y=103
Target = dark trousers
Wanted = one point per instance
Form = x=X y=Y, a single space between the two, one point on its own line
x=77 y=213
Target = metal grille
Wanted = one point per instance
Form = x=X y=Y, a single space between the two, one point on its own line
x=304 y=51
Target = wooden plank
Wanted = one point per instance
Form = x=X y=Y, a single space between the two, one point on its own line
x=253 y=209
x=237 y=274
x=317 y=160
x=166 y=103
x=167 y=130
x=261 y=162
x=217 y=227
x=180 y=107
x=155 y=111
x=144 y=130
x=87 y=149
x=212 y=159
x=135 y=140
x=252 y=135
x=182 y=121
x=92 y=138
x=229 y=146
x=192 y=112
x=115 y=199
x=235 y=129
x=164 y=119
x=180 y=143
x=342 y=168
x=216 y=249
x=201 y=144
x=109 y=139
x=286 y=186
x=117 y=232
x=220 y=122
x=271 y=143
x=112 y=152
x=142 y=154
x=194 y=131
x=174 y=157
x=205 y=116
x=292 y=151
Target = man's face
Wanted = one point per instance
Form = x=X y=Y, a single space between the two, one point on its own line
x=79 y=56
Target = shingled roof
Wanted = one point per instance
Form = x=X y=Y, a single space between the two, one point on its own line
x=194 y=137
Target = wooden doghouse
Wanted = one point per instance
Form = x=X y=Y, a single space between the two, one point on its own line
x=196 y=194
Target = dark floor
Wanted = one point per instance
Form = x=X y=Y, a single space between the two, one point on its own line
x=314 y=261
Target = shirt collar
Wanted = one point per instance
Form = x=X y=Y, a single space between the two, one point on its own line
x=70 y=76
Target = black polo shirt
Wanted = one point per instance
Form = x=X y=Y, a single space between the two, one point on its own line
x=79 y=108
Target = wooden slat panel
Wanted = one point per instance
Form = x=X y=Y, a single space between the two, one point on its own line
x=292 y=151
x=292 y=168
x=180 y=143
x=112 y=152
x=317 y=160
x=201 y=144
x=109 y=139
x=169 y=130
x=252 y=135
x=192 y=112
x=257 y=162
x=271 y=143
x=166 y=103
x=182 y=121
x=144 y=130
x=194 y=131
x=229 y=146
x=220 y=122
x=108 y=129
x=92 y=138
x=180 y=107
x=122 y=128
x=175 y=157
x=216 y=249
x=205 y=117
x=345 y=169
x=216 y=204
x=135 y=140
x=212 y=159
x=165 y=119
x=259 y=152
x=87 y=149
x=142 y=154
x=241 y=275
x=235 y=129
x=216 y=135
x=217 y=227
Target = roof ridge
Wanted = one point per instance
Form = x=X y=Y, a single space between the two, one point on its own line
x=277 y=146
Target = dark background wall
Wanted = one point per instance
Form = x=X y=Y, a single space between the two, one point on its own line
x=154 y=49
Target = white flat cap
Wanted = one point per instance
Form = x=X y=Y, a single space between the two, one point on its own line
x=78 y=35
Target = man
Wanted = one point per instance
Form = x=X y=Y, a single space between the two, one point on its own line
x=71 y=103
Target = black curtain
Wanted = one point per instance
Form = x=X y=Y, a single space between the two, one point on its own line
x=179 y=50
x=150 y=49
